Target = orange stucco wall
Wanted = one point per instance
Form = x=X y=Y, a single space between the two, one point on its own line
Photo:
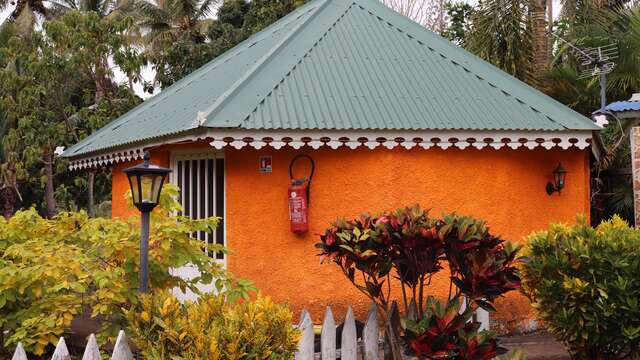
x=505 y=187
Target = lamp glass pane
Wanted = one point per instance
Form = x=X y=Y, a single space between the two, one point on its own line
x=147 y=182
x=559 y=177
x=156 y=187
x=133 y=183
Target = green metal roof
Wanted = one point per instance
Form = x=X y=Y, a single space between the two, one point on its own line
x=343 y=65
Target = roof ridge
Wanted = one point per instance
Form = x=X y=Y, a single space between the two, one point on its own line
x=204 y=115
x=305 y=55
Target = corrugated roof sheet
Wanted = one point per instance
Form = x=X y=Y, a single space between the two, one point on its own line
x=341 y=64
x=624 y=106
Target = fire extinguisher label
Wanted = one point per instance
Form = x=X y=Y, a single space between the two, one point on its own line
x=298 y=209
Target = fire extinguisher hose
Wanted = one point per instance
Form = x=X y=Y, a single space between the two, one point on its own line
x=313 y=169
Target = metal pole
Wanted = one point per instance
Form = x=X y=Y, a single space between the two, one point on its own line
x=603 y=91
x=144 y=251
x=603 y=80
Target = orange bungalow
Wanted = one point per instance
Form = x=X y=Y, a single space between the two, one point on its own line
x=391 y=115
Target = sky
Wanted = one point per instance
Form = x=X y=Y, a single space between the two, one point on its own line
x=148 y=73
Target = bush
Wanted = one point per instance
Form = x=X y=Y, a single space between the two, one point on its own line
x=410 y=247
x=52 y=269
x=446 y=333
x=585 y=285
x=211 y=328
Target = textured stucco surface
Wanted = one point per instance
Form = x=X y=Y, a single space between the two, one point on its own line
x=505 y=187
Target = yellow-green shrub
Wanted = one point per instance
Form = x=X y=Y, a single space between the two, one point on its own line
x=211 y=328
x=585 y=285
x=51 y=269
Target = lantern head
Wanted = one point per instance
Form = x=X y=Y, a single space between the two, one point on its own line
x=559 y=175
x=146 y=182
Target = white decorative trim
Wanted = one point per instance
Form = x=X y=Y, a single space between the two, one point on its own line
x=353 y=139
x=239 y=139
x=107 y=159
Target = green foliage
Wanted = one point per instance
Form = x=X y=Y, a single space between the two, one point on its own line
x=56 y=88
x=408 y=246
x=459 y=22
x=211 y=328
x=584 y=284
x=53 y=268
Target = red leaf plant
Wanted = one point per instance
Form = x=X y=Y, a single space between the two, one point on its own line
x=408 y=246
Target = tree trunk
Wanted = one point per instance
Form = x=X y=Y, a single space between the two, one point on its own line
x=550 y=31
x=540 y=43
x=52 y=207
x=9 y=198
x=91 y=176
x=9 y=192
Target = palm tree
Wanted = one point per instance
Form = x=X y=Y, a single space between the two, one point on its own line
x=500 y=33
x=167 y=20
x=171 y=30
x=538 y=24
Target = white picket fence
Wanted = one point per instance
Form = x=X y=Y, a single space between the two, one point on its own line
x=349 y=349
x=368 y=348
x=121 y=350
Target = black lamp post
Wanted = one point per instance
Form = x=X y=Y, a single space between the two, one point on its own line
x=146 y=182
x=559 y=175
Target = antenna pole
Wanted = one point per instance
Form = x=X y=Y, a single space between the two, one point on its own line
x=603 y=80
x=603 y=90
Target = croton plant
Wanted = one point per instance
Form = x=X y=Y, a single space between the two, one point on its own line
x=409 y=247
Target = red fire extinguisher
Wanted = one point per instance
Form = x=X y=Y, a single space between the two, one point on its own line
x=299 y=198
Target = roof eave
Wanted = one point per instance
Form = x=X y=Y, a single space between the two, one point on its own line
x=334 y=139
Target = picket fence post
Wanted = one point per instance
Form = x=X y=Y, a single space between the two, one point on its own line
x=349 y=348
x=19 y=354
x=328 y=336
x=306 y=347
x=121 y=350
x=91 y=352
x=61 y=352
x=370 y=334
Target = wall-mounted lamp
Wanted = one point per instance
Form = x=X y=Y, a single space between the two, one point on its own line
x=559 y=175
